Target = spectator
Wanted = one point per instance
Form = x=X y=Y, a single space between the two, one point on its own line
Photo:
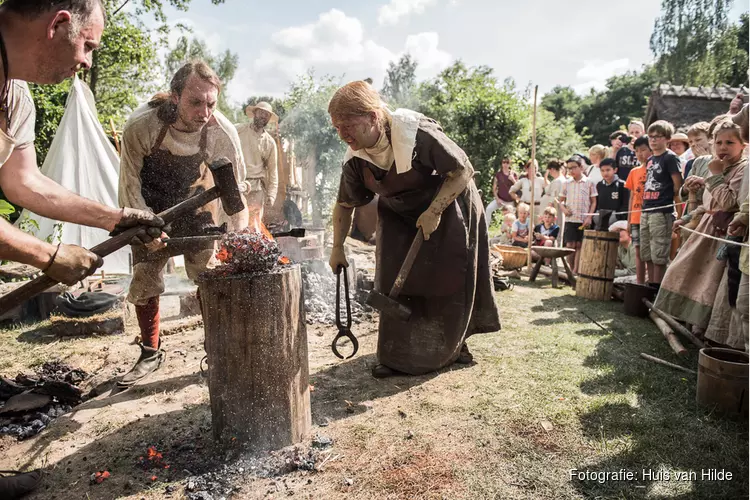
x=738 y=228
x=577 y=201
x=506 y=228
x=611 y=192
x=663 y=182
x=699 y=144
x=691 y=284
x=597 y=153
x=625 y=157
x=556 y=178
x=615 y=142
x=521 y=234
x=636 y=184
x=636 y=129
x=504 y=179
x=626 y=264
x=523 y=185
x=547 y=232
x=679 y=144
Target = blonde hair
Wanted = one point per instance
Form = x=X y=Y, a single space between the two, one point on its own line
x=728 y=126
x=550 y=211
x=600 y=151
x=638 y=123
x=699 y=128
x=523 y=206
x=356 y=99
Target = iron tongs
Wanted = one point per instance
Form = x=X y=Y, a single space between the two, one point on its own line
x=344 y=331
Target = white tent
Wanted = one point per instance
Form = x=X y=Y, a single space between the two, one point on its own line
x=82 y=159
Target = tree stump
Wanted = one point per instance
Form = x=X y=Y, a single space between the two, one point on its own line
x=256 y=342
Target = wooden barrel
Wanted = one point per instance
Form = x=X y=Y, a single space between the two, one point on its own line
x=723 y=380
x=596 y=267
x=256 y=342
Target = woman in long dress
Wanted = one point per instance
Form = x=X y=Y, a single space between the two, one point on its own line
x=690 y=286
x=424 y=181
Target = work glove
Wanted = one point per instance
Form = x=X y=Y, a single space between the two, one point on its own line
x=133 y=218
x=338 y=258
x=429 y=222
x=72 y=263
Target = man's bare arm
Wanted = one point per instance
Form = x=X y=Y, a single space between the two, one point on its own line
x=24 y=185
x=21 y=247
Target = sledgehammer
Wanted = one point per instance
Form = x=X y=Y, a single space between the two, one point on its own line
x=225 y=187
x=389 y=304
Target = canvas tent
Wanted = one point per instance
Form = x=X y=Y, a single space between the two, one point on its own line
x=83 y=160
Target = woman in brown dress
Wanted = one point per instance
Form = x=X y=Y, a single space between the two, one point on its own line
x=424 y=180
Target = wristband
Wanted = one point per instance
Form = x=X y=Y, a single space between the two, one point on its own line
x=49 y=264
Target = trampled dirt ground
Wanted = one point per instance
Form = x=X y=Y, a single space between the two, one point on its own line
x=550 y=393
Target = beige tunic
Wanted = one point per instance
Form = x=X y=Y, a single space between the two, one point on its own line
x=259 y=150
x=20 y=134
x=140 y=134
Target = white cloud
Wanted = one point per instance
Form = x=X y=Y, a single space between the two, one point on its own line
x=394 y=11
x=595 y=73
x=335 y=44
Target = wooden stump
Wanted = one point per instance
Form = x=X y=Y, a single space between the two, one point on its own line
x=596 y=268
x=256 y=341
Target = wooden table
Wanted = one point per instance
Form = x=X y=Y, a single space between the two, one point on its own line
x=552 y=253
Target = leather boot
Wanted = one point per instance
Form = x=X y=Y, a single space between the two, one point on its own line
x=149 y=361
x=19 y=484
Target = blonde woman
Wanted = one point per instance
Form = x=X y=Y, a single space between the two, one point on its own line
x=596 y=154
x=424 y=180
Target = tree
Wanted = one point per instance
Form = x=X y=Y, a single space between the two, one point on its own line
x=225 y=66
x=555 y=138
x=481 y=116
x=562 y=102
x=316 y=142
x=694 y=44
x=400 y=83
x=625 y=98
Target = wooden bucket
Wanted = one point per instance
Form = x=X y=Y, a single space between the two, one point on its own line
x=596 y=268
x=723 y=380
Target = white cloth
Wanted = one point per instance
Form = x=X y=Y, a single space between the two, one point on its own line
x=404 y=125
x=524 y=185
x=82 y=159
x=20 y=133
x=260 y=154
x=594 y=174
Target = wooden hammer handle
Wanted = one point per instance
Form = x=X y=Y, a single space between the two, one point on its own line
x=42 y=283
x=403 y=273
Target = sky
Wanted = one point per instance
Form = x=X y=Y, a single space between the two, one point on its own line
x=579 y=43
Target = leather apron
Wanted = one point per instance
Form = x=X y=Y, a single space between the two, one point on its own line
x=167 y=180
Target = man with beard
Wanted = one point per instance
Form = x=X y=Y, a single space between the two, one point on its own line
x=167 y=145
x=259 y=151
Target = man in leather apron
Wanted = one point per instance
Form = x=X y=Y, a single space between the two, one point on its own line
x=167 y=145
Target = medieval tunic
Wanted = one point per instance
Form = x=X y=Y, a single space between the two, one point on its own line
x=19 y=133
x=160 y=167
x=259 y=151
x=449 y=288
x=691 y=283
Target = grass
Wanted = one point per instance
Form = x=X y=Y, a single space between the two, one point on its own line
x=549 y=393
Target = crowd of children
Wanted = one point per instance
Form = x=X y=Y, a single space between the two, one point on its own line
x=679 y=202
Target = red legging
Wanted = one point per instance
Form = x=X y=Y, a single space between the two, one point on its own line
x=148 y=321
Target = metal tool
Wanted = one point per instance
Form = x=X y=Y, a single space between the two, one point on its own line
x=295 y=233
x=225 y=188
x=389 y=304
x=344 y=331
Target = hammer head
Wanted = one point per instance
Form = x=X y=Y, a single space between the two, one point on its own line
x=387 y=305
x=229 y=193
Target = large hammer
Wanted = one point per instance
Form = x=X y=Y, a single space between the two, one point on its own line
x=389 y=304
x=225 y=187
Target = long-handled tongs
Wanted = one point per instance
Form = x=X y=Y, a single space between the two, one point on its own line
x=344 y=331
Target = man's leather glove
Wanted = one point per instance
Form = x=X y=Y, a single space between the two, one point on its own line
x=72 y=263
x=134 y=218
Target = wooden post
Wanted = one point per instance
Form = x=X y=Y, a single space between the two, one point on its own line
x=256 y=342
x=532 y=180
x=675 y=325
x=674 y=343
x=114 y=135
